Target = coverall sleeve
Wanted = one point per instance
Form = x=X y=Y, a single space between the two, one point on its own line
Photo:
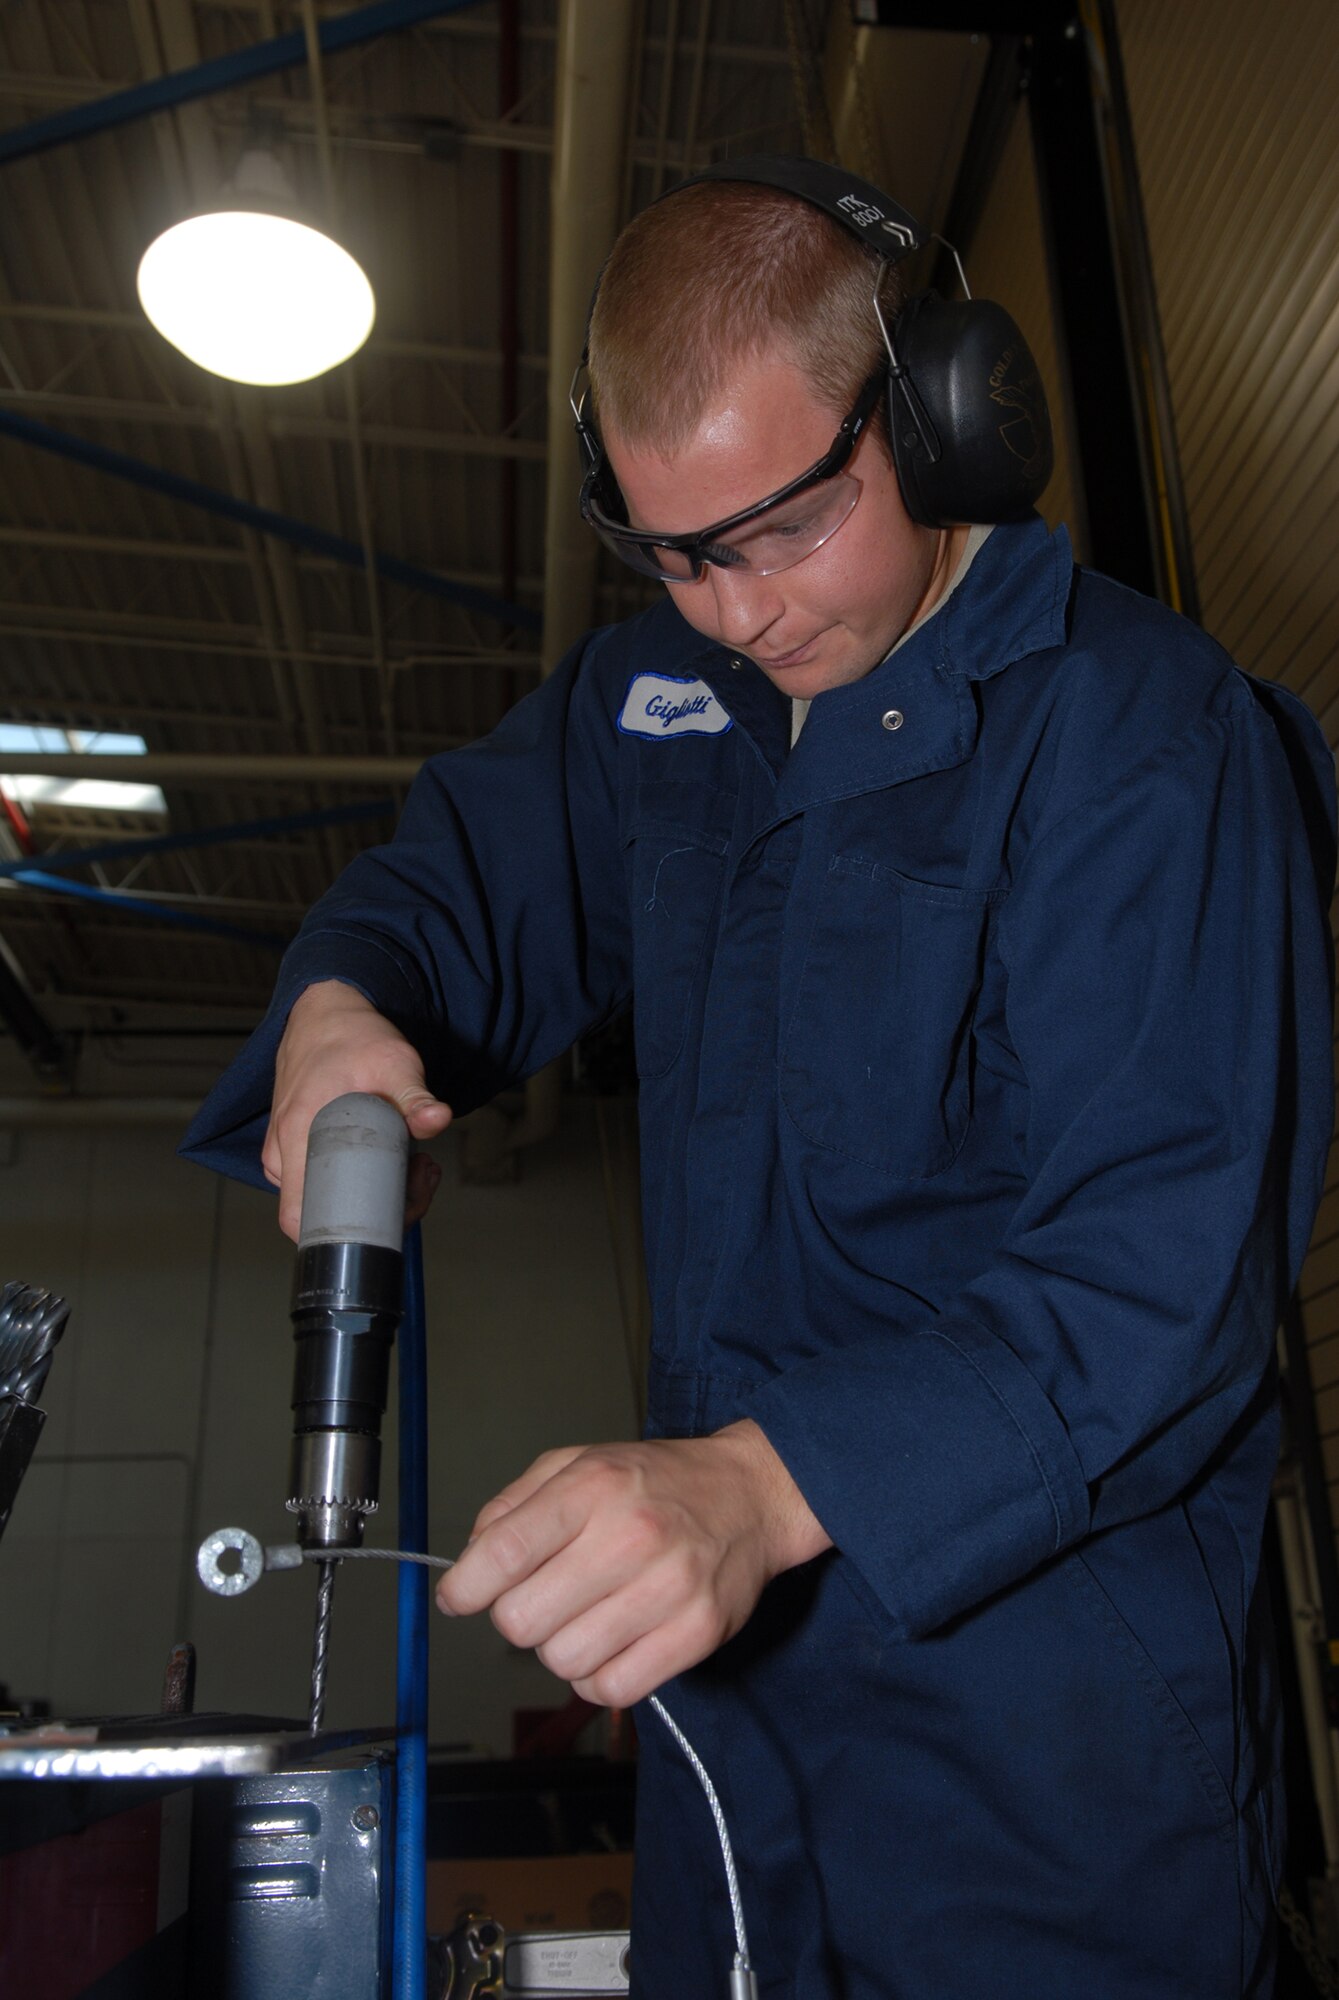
x=1169 y=1001
x=492 y=929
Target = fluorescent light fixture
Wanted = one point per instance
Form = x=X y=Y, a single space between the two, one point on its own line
x=77 y=794
x=250 y=290
x=86 y=795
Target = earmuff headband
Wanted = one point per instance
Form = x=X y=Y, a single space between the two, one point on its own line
x=968 y=424
x=888 y=229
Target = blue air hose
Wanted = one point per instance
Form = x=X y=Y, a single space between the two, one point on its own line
x=409 y=1922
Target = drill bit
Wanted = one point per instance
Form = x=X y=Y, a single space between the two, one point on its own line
x=321 y=1649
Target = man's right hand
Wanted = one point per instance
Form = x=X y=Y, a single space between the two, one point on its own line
x=336 y=1041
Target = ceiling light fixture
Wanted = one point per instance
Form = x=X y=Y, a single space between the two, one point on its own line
x=252 y=291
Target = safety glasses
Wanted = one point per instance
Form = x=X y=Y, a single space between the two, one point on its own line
x=773 y=535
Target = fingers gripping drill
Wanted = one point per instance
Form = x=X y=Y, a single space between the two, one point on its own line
x=346 y=1307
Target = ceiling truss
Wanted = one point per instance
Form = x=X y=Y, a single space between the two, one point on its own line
x=255 y=667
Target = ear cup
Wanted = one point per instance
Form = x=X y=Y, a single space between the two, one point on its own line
x=967 y=416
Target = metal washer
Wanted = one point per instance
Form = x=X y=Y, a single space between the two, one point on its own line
x=229 y=1583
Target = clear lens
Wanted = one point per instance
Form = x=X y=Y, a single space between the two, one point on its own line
x=773 y=541
x=788 y=533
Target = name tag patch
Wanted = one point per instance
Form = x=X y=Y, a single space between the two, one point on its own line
x=659 y=705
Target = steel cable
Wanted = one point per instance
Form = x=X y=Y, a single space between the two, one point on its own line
x=742 y=1961
x=743 y=1964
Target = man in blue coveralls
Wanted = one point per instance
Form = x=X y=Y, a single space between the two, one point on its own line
x=972 y=912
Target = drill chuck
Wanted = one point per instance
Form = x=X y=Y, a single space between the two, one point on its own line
x=345 y=1309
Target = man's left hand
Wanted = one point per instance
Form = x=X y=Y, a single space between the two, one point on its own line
x=624 y=1564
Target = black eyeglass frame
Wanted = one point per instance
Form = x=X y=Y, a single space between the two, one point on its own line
x=696 y=546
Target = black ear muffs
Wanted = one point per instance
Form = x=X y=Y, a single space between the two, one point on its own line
x=967 y=416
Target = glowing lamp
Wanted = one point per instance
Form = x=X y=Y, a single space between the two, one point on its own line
x=251 y=291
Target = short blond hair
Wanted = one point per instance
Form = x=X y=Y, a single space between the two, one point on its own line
x=720 y=274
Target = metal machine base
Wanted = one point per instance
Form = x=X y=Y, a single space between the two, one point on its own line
x=233 y=1858
x=252 y=1858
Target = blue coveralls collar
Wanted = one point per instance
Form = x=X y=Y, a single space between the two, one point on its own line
x=915 y=712
x=1013 y=602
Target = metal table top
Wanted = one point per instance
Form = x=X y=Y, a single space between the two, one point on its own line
x=186 y=1747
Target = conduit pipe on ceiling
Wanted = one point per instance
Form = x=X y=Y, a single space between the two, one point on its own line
x=186 y=767
x=242 y=66
x=592 y=88
x=590 y=126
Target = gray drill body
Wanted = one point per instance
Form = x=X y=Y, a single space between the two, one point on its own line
x=345 y=1309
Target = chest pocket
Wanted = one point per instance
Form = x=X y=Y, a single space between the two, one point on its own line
x=877 y=1059
x=675 y=867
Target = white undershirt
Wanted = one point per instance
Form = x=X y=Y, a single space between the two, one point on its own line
x=976 y=538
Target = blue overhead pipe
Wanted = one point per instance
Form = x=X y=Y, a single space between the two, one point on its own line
x=242 y=66
x=71 y=858
x=302 y=534
x=410 y=1922
x=157 y=913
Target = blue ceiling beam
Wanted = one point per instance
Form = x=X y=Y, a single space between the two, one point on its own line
x=302 y=534
x=156 y=913
x=71 y=858
x=230 y=72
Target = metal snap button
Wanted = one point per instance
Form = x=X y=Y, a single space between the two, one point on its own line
x=893 y=719
x=737 y=665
